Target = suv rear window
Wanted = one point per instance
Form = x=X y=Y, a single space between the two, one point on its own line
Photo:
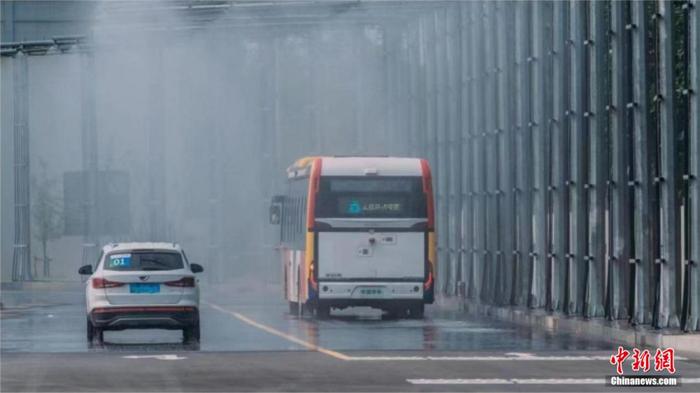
x=143 y=260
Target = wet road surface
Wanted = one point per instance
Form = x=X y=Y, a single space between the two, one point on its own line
x=251 y=342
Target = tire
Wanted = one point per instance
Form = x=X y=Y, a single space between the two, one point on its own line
x=191 y=334
x=90 y=331
x=323 y=311
x=416 y=311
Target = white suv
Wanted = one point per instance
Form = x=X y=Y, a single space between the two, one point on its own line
x=142 y=286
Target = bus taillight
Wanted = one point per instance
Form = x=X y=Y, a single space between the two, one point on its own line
x=429 y=280
x=312 y=278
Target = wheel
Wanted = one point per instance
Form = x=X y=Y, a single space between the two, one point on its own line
x=94 y=333
x=90 y=331
x=416 y=311
x=323 y=311
x=191 y=334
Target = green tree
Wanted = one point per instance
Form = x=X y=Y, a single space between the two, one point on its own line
x=47 y=214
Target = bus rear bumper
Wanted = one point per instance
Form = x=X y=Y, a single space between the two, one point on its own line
x=369 y=292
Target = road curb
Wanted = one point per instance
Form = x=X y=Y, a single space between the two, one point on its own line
x=618 y=332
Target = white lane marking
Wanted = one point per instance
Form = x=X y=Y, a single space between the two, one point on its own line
x=159 y=357
x=510 y=356
x=525 y=381
x=509 y=381
x=283 y=335
x=530 y=357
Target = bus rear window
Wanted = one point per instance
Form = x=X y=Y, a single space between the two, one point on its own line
x=144 y=260
x=379 y=197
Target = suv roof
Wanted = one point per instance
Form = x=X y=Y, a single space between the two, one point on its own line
x=141 y=245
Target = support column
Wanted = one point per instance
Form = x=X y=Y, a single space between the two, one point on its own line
x=468 y=112
x=90 y=161
x=642 y=255
x=478 y=206
x=506 y=223
x=453 y=146
x=156 y=152
x=669 y=256
x=21 y=263
x=597 y=160
x=540 y=149
x=560 y=157
x=578 y=227
x=692 y=291
x=523 y=154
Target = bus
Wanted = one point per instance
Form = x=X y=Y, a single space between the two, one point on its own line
x=357 y=231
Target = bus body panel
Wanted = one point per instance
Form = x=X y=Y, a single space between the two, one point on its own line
x=367 y=255
x=379 y=261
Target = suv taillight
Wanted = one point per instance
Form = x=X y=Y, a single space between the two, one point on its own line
x=104 y=283
x=183 y=282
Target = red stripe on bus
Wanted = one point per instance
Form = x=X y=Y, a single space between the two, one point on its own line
x=314 y=180
x=428 y=190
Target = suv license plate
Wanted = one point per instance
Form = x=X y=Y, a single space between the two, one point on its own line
x=144 y=288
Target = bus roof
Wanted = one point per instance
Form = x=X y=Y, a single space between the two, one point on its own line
x=359 y=166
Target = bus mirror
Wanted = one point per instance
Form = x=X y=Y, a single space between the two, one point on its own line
x=275 y=214
x=276 y=210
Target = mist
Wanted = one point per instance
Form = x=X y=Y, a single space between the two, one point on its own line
x=197 y=113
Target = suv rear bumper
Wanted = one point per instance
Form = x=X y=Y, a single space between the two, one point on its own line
x=144 y=317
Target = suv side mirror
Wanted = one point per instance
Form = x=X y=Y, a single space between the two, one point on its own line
x=85 y=270
x=196 y=268
x=276 y=209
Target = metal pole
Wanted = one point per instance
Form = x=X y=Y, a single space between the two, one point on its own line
x=479 y=215
x=505 y=154
x=21 y=263
x=597 y=160
x=618 y=264
x=537 y=290
x=641 y=183
x=156 y=152
x=490 y=170
x=560 y=158
x=523 y=155
x=466 y=145
x=89 y=153
x=440 y=147
x=692 y=291
x=453 y=137
x=669 y=259
x=577 y=240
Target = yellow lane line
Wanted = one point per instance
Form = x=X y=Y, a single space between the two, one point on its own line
x=283 y=335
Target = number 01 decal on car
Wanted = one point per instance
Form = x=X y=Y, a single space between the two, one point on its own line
x=120 y=260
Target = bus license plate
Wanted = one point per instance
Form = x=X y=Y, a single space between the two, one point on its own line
x=144 y=288
x=371 y=292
